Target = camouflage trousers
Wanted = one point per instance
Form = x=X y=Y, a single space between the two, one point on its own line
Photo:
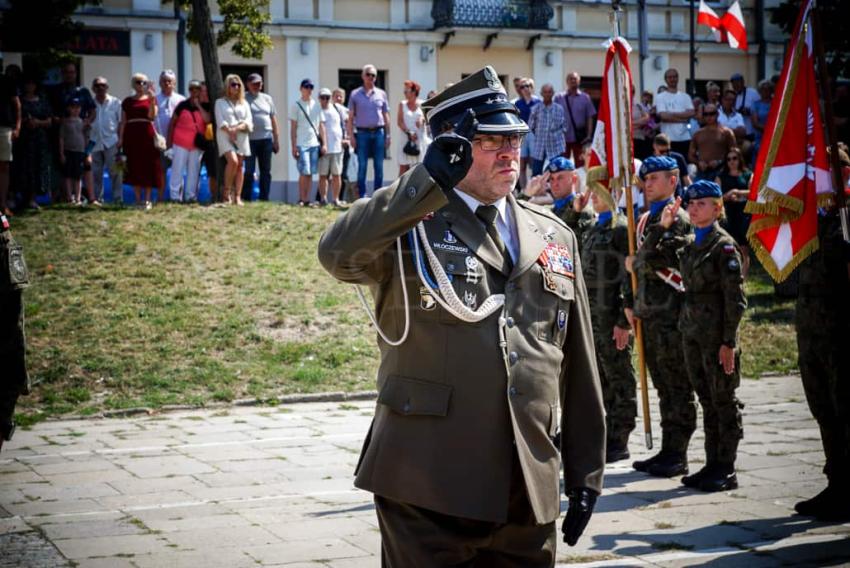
x=666 y=361
x=825 y=368
x=721 y=410
x=618 y=382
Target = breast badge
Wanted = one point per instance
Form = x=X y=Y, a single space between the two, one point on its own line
x=556 y=259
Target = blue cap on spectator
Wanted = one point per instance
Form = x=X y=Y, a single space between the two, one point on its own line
x=703 y=188
x=560 y=164
x=307 y=83
x=656 y=164
x=736 y=77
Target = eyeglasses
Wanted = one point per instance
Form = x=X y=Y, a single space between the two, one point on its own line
x=525 y=86
x=234 y=85
x=373 y=75
x=308 y=87
x=732 y=159
x=140 y=82
x=710 y=113
x=493 y=142
x=101 y=86
x=324 y=97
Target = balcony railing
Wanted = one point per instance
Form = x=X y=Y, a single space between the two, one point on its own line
x=517 y=14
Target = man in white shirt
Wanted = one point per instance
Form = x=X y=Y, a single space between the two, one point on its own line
x=745 y=97
x=104 y=135
x=330 y=164
x=166 y=101
x=731 y=118
x=675 y=110
x=307 y=138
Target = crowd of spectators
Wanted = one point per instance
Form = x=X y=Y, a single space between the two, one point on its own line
x=66 y=137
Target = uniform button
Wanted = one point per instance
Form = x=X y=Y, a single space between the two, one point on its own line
x=513 y=357
x=512 y=391
x=510 y=322
x=411 y=191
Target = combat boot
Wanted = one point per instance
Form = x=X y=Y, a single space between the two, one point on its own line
x=616 y=451
x=831 y=504
x=669 y=465
x=643 y=465
x=695 y=479
x=719 y=478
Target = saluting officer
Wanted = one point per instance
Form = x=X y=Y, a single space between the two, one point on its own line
x=14 y=380
x=560 y=177
x=658 y=303
x=604 y=248
x=713 y=307
x=478 y=352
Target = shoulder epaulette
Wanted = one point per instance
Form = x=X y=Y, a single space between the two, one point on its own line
x=543 y=212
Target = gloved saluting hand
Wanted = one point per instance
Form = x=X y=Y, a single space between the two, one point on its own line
x=582 y=501
x=449 y=156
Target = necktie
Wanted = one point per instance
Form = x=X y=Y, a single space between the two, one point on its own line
x=487 y=214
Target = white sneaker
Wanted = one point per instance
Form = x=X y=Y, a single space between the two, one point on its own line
x=148 y=205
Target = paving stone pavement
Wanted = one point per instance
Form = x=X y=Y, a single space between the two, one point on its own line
x=272 y=486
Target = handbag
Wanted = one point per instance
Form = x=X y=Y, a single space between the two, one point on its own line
x=200 y=140
x=159 y=141
x=411 y=148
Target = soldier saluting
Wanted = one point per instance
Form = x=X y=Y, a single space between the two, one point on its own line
x=714 y=304
x=485 y=335
x=657 y=303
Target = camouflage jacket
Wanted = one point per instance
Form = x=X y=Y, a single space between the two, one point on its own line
x=656 y=298
x=578 y=221
x=714 y=288
x=604 y=248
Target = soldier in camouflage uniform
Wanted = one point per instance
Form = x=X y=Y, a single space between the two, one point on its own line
x=13 y=378
x=823 y=326
x=604 y=248
x=561 y=178
x=714 y=304
x=658 y=304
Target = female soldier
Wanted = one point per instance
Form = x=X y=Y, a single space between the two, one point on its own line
x=714 y=303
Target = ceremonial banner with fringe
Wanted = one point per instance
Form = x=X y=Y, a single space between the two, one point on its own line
x=610 y=164
x=791 y=177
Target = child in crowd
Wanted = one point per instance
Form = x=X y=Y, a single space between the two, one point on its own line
x=73 y=156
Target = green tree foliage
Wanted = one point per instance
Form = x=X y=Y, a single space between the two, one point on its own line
x=41 y=28
x=836 y=40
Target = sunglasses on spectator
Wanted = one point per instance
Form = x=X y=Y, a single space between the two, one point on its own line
x=370 y=75
x=101 y=86
x=140 y=82
x=493 y=142
x=710 y=113
x=732 y=159
x=234 y=84
x=325 y=97
x=525 y=86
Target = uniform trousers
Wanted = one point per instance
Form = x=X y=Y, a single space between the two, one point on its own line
x=721 y=410
x=617 y=375
x=414 y=537
x=665 y=359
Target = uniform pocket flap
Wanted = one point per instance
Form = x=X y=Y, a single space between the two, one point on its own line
x=412 y=396
x=561 y=286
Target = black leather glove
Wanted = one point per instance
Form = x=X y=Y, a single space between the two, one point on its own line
x=449 y=156
x=582 y=501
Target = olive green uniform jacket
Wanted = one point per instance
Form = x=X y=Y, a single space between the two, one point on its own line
x=456 y=399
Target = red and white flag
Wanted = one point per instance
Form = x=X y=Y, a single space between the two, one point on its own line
x=791 y=178
x=730 y=28
x=611 y=150
x=733 y=25
x=708 y=17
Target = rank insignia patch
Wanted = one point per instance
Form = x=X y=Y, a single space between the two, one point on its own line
x=557 y=259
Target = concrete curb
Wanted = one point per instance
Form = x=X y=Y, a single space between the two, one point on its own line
x=335 y=396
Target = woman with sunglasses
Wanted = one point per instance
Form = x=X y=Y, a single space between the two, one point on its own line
x=734 y=181
x=136 y=139
x=233 y=117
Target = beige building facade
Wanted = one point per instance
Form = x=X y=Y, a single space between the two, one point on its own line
x=330 y=40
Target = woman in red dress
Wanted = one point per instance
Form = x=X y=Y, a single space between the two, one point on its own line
x=136 y=138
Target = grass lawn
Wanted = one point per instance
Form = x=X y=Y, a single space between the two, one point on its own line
x=189 y=305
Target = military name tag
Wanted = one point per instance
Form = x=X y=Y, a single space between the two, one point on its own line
x=557 y=259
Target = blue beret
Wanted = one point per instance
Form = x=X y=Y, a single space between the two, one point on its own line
x=560 y=164
x=703 y=188
x=657 y=164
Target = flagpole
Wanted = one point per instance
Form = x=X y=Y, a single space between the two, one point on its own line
x=693 y=53
x=826 y=91
x=625 y=181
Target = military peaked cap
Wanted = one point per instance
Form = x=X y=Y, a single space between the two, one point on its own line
x=482 y=92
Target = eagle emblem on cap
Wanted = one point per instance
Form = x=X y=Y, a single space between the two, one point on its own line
x=492 y=79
